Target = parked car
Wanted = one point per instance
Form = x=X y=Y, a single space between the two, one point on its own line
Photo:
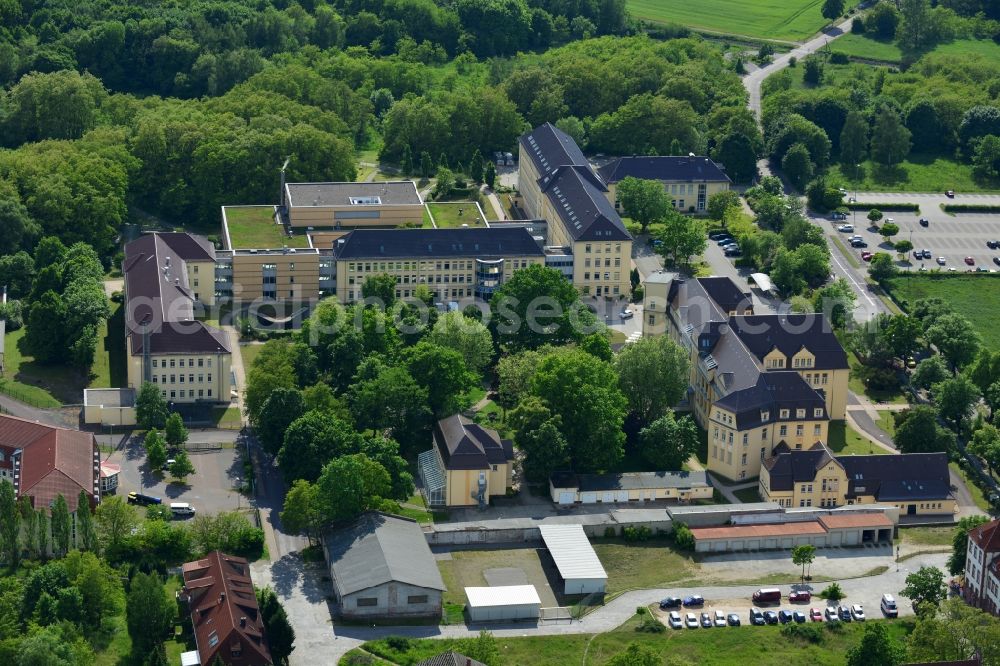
x=816 y=615
x=724 y=240
x=800 y=596
x=799 y=616
x=911 y=362
x=858 y=612
x=866 y=256
x=720 y=618
x=845 y=613
x=918 y=254
x=888 y=220
x=706 y=621
x=846 y=228
x=627 y=314
x=670 y=602
x=784 y=616
x=733 y=619
x=732 y=250
x=691 y=621
x=770 y=617
x=767 y=595
x=888 y=606
x=924 y=222
x=674 y=620
x=831 y=614
x=142 y=500
x=181 y=509
x=950 y=194
x=969 y=261
x=858 y=243
x=982 y=269
x=996 y=260
x=940 y=261
x=694 y=600
x=756 y=617
x=718 y=235
x=992 y=244
x=167 y=465
x=927 y=254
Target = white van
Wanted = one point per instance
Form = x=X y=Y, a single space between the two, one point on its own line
x=889 y=606
x=181 y=509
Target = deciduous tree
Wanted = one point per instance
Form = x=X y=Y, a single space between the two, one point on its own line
x=681 y=238
x=279 y=411
x=925 y=587
x=468 y=337
x=150 y=407
x=877 y=648
x=60 y=526
x=644 y=201
x=350 y=485
x=176 y=433
x=538 y=436
x=960 y=542
x=669 y=441
x=955 y=337
x=653 y=376
x=148 y=613
x=890 y=139
x=10 y=526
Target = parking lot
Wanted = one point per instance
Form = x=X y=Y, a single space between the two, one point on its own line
x=212 y=488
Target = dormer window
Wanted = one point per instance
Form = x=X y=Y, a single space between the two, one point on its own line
x=783 y=413
x=818 y=412
x=800 y=413
x=765 y=416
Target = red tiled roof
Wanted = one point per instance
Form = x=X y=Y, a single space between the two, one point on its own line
x=224 y=611
x=53 y=460
x=759 y=531
x=987 y=536
x=841 y=521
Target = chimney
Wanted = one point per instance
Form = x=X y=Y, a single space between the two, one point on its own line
x=222 y=597
x=243 y=621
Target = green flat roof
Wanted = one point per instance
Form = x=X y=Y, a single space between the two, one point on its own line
x=253 y=227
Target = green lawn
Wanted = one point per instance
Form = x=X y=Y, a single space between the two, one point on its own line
x=455 y=214
x=974 y=490
x=862 y=46
x=45 y=386
x=644 y=564
x=761 y=646
x=227 y=417
x=887 y=422
x=253 y=227
x=749 y=495
x=918 y=173
x=975 y=296
x=791 y=20
x=416 y=509
x=249 y=353
x=845 y=440
x=857 y=386
x=927 y=536
x=109 y=369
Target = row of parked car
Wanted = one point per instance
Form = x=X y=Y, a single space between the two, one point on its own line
x=758 y=617
x=729 y=246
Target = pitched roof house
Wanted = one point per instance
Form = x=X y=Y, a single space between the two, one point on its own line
x=982 y=567
x=224 y=613
x=467 y=465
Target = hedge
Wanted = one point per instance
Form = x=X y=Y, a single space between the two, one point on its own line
x=896 y=206
x=970 y=208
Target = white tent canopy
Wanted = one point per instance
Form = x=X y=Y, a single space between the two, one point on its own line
x=762 y=281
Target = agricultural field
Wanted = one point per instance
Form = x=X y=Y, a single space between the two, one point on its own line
x=787 y=20
x=977 y=297
x=862 y=46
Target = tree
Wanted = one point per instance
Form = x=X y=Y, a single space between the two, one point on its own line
x=854 y=139
x=681 y=237
x=537 y=306
x=150 y=407
x=385 y=452
x=17 y=272
x=669 y=441
x=930 y=371
x=313 y=440
x=537 y=434
x=653 y=376
x=797 y=165
x=836 y=301
x=874 y=215
x=426 y=165
x=888 y=230
x=955 y=337
x=890 y=139
x=955 y=398
x=738 y=153
x=182 y=467
x=721 y=202
x=300 y=514
x=442 y=372
x=514 y=374
x=379 y=290
x=156 y=452
x=833 y=9
x=177 y=434
x=902 y=247
x=392 y=400
x=883 y=20
x=876 y=648
x=926 y=588
x=960 y=543
x=901 y=334
x=583 y=391
x=280 y=410
x=60 y=526
x=812 y=73
x=43 y=529
x=916 y=29
x=10 y=526
x=350 y=485
x=280 y=635
x=986 y=444
x=635 y=655
x=803 y=555
x=491 y=174
x=986 y=158
x=483 y=648
x=465 y=335
x=832 y=592
x=46 y=319
x=881 y=267
x=115 y=521
x=958 y=632
x=917 y=431
x=977 y=122
x=228 y=531
x=148 y=613
x=645 y=201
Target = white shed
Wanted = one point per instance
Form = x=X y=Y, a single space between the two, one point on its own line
x=504 y=603
x=578 y=564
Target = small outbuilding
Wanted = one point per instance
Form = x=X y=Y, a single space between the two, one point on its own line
x=682 y=487
x=504 y=603
x=579 y=567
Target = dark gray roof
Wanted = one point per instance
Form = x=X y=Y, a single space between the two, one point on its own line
x=892 y=478
x=189 y=247
x=379 y=548
x=464 y=444
x=407 y=243
x=548 y=147
x=450 y=658
x=790 y=333
x=630 y=480
x=385 y=193
x=579 y=198
x=183 y=337
x=773 y=392
x=789 y=467
x=726 y=294
x=665 y=167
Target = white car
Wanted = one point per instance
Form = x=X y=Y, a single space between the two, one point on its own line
x=720 y=618
x=846 y=228
x=940 y=261
x=691 y=620
x=674 y=620
x=627 y=314
x=858 y=613
x=831 y=614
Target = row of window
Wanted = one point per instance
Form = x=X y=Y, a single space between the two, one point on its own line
x=180 y=379
x=802 y=362
x=607 y=263
x=202 y=362
x=721 y=454
x=782 y=432
x=429 y=279
x=601 y=290
x=597 y=276
x=182 y=393
x=406 y=293
x=765 y=415
x=606 y=248
x=412 y=599
x=457 y=265
x=817 y=379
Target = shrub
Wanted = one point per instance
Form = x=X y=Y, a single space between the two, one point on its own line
x=641 y=533
x=894 y=206
x=970 y=208
x=683 y=537
x=833 y=592
x=610 y=532
x=858 y=25
x=807 y=632
x=399 y=643
x=878 y=379
x=650 y=624
x=641 y=610
x=838 y=58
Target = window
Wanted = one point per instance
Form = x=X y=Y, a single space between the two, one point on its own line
x=800 y=413
x=762 y=454
x=798 y=430
x=154 y=362
x=746 y=438
x=213 y=639
x=367 y=601
x=818 y=412
x=783 y=431
x=173 y=378
x=171 y=363
x=765 y=416
x=210 y=377
x=181 y=363
x=783 y=413
x=763 y=433
x=817 y=430
x=824 y=379
x=191 y=378
x=416 y=599
x=743 y=460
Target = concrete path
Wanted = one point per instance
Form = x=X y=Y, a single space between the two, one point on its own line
x=238 y=368
x=495 y=202
x=53 y=417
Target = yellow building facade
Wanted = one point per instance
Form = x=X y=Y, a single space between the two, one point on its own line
x=467 y=465
x=353 y=205
x=689 y=179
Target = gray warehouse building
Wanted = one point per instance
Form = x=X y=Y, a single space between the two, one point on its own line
x=382 y=567
x=504 y=603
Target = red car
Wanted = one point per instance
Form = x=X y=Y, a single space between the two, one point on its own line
x=866 y=256
x=970 y=261
x=816 y=615
x=799 y=596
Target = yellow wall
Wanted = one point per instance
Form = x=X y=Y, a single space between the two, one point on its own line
x=215 y=365
x=201 y=280
x=683 y=198
x=654 y=307
x=462 y=483
x=326 y=216
x=527 y=183
x=297 y=275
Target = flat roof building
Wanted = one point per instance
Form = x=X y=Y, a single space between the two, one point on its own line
x=504 y=603
x=579 y=567
x=333 y=205
x=823 y=531
x=571 y=488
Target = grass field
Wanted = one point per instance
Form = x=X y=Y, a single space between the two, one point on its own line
x=253 y=227
x=466 y=568
x=44 y=386
x=845 y=440
x=857 y=386
x=974 y=490
x=789 y=20
x=249 y=353
x=918 y=173
x=862 y=46
x=977 y=297
x=927 y=536
x=454 y=214
x=644 y=564
x=761 y=646
x=109 y=369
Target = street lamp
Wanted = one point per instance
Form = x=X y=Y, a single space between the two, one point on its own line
x=239 y=491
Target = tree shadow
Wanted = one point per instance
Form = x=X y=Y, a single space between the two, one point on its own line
x=890 y=175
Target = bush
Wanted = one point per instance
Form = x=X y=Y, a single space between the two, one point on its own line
x=895 y=206
x=641 y=610
x=878 y=379
x=838 y=58
x=648 y=623
x=683 y=537
x=807 y=632
x=858 y=25
x=610 y=532
x=638 y=293
x=970 y=208
x=399 y=643
x=641 y=533
x=833 y=592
